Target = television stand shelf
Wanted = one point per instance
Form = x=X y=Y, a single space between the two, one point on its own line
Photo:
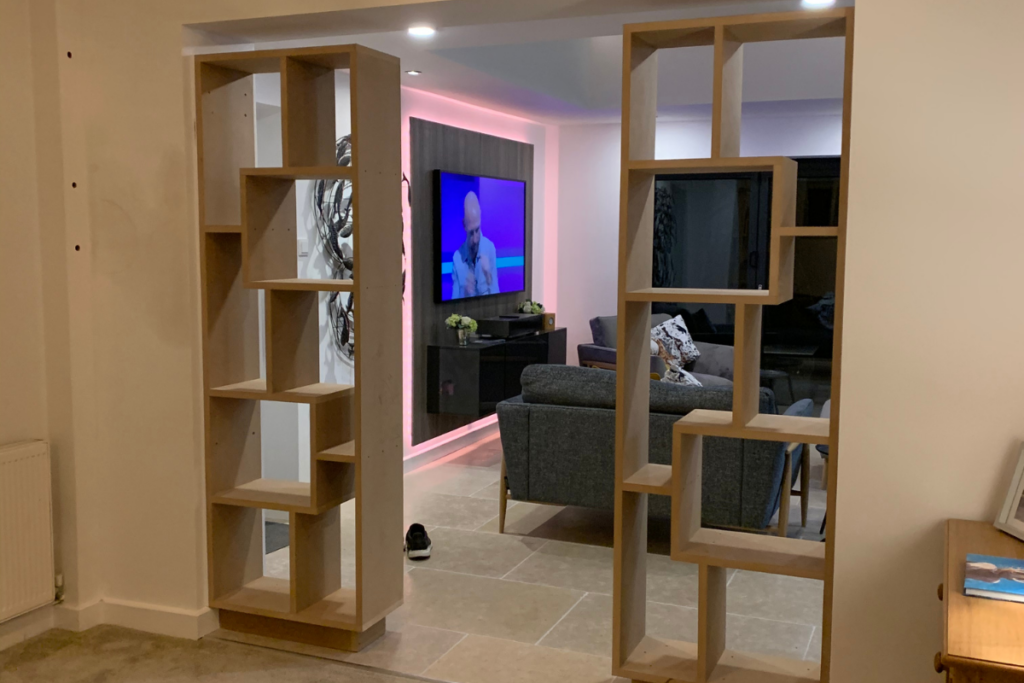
x=473 y=379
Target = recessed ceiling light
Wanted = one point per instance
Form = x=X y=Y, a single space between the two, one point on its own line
x=817 y=4
x=413 y=72
x=421 y=31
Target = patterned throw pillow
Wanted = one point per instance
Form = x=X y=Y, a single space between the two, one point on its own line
x=675 y=346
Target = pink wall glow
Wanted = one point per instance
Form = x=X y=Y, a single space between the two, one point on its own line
x=431 y=107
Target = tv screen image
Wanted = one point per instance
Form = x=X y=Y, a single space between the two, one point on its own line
x=480 y=226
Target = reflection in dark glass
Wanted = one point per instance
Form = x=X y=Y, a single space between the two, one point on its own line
x=712 y=232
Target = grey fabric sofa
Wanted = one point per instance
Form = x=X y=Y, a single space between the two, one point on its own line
x=713 y=366
x=558 y=439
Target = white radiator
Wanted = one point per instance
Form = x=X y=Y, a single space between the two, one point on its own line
x=26 y=528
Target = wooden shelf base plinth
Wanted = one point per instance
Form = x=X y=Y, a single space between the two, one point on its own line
x=297 y=632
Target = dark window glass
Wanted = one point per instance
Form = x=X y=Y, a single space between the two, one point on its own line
x=712 y=232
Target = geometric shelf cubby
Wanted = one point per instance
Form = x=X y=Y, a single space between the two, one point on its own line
x=637 y=655
x=248 y=243
x=642 y=175
x=269 y=228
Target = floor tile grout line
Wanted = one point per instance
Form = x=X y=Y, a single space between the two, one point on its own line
x=483 y=488
x=502 y=577
x=443 y=654
x=521 y=583
x=809 y=641
x=593 y=592
x=555 y=625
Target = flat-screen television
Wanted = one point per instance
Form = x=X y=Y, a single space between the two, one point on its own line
x=480 y=233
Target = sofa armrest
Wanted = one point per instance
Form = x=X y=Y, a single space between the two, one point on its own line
x=514 y=429
x=592 y=355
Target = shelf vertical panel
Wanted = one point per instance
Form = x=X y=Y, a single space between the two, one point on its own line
x=331 y=424
x=315 y=557
x=632 y=423
x=235 y=547
x=746 y=392
x=269 y=228
x=711 y=619
x=226 y=137
x=233 y=448
x=781 y=264
x=837 y=355
x=293 y=339
x=377 y=207
x=230 y=313
x=727 y=105
x=307 y=114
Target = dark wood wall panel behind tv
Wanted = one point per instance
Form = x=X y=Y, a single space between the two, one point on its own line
x=434 y=146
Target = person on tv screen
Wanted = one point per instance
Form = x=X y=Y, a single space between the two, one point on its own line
x=474 y=265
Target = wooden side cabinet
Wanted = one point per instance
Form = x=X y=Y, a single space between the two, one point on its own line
x=983 y=640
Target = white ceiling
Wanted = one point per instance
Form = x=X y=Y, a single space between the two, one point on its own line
x=555 y=61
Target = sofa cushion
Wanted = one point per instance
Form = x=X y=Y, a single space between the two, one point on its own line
x=606 y=328
x=715 y=359
x=672 y=339
x=567 y=385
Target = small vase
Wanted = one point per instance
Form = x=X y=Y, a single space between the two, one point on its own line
x=463 y=337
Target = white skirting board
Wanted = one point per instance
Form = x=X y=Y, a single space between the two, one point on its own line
x=478 y=431
x=166 y=621
x=26 y=626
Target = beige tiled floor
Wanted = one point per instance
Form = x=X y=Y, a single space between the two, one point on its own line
x=534 y=604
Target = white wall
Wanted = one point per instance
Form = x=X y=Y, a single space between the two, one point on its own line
x=933 y=375
x=22 y=361
x=588 y=192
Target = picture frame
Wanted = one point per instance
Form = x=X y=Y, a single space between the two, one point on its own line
x=1011 y=517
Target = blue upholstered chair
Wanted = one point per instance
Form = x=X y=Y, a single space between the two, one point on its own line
x=793 y=464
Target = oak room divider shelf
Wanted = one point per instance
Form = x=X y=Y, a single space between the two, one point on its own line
x=248 y=242
x=636 y=655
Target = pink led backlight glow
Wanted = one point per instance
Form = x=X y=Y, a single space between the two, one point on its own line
x=444 y=110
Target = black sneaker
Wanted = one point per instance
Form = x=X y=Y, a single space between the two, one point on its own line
x=417 y=543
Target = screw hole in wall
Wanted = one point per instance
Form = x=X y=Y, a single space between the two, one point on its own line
x=69 y=55
x=74 y=184
x=78 y=247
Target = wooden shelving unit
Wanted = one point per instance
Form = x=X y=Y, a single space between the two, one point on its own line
x=248 y=242
x=636 y=655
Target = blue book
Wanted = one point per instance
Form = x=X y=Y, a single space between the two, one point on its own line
x=996 y=578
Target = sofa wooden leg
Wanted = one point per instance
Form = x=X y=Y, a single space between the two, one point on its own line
x=502 y=498
x=785 y=492
x=805 y=484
